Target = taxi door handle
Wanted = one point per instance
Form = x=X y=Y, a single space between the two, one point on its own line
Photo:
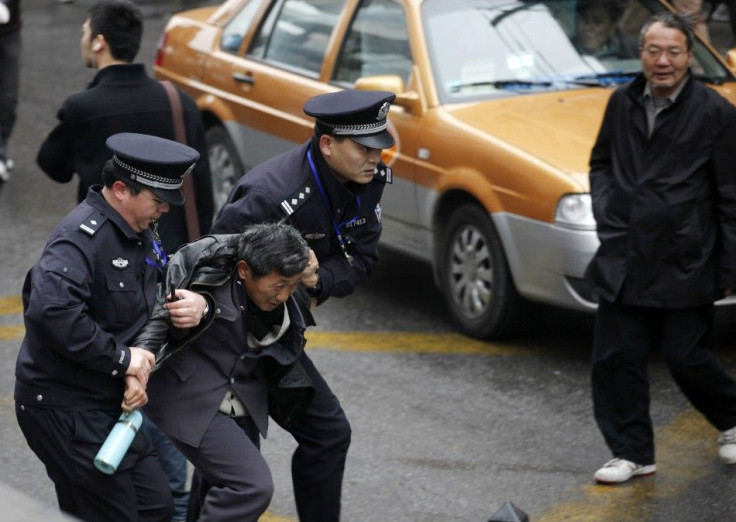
x=243 y=78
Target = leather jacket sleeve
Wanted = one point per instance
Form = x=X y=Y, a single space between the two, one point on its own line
x=198 y=266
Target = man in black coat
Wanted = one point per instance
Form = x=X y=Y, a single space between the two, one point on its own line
x=330 y=190
x=664 y=198
x=122 y=98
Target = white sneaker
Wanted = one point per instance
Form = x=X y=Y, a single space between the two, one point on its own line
x=9 y=164
x=727 y=446
x=620 y=470
x=4 y=174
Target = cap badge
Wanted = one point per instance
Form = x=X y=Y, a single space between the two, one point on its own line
x=383 y=111
x=120 y=263
x=189 y=170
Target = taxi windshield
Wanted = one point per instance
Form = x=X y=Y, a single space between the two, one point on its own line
x=485 y=48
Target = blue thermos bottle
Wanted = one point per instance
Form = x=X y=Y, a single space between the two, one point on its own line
x=118 y=441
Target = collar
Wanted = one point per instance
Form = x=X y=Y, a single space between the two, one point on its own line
x=96 y=200
x=672 y=97
x=637 y=88
x=132 y=72
x=338 y=192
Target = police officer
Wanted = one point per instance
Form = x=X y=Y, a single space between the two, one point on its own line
x=91 y=291
x=329 y=189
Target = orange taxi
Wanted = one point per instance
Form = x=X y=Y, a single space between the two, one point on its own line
x=498 y=103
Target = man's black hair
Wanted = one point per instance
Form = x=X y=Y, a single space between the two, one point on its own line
x=121 y=23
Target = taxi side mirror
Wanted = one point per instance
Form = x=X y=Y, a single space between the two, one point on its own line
x=731 y=60
x=413 y=101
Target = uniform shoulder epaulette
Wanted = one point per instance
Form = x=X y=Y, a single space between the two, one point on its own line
x=92 y=223
x=298 y=198
x=384 y=172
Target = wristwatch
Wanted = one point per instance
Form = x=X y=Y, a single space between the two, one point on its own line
x=316 y=289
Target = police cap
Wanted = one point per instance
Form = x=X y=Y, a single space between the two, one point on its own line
x=154 y=163
x=359 y=115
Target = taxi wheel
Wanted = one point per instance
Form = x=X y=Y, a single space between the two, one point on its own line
x=476 y=282
x=225 y=164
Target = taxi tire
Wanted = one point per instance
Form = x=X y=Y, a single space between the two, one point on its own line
x=476 y=281
x=225 y=163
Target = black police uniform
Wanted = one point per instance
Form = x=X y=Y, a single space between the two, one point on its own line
x=91 y=291
x=316 y=203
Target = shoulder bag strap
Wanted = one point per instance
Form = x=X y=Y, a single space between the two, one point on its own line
x=190 y=202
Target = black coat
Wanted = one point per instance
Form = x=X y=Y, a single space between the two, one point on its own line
x=123 y=98
x=665 y=206
x=284 y=188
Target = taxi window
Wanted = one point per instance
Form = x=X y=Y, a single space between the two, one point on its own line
x=377 y=43
x=296 y=33
x=234 y=32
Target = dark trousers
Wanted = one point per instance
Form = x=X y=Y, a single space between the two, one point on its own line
x=323 y=435
x=173 y=464
x=232 y=481
x=9 y=78
x=67 y=442
x=624 y=338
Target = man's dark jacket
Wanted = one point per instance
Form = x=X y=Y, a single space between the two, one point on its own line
x=123 y=98
x=187 y=388
x=665 y=206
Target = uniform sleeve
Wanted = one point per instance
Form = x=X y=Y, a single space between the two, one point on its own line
x=723 y=161
x=58 y=315
x=338 y=278
x=245 y=206
x=56 y=152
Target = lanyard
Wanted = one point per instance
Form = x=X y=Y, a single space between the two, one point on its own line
x=158 y=249
x=336 y=226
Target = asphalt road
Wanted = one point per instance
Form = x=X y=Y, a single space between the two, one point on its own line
x=444 y=428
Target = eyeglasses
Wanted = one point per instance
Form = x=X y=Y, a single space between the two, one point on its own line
x=159 y=202
x=672 y=53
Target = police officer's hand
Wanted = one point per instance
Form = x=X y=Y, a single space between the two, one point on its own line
x=135 y=394
x=309 y=276
x=141 y=363
x=187 y=309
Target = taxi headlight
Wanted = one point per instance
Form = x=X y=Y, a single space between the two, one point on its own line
x=575 y=211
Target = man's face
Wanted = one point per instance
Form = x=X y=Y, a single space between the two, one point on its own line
x=85 y=47
x=142 y=209
x=665 y=59
x=270 y=291
x=349 y=159
x=593 y=28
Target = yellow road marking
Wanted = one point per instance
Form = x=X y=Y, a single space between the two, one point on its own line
x=10 y=332
x=682 y=448
x=10 y=304
x=409 y=342
x=686 y=452
x=270 y=517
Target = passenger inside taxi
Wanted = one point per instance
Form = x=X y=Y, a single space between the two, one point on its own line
x=597 y=33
